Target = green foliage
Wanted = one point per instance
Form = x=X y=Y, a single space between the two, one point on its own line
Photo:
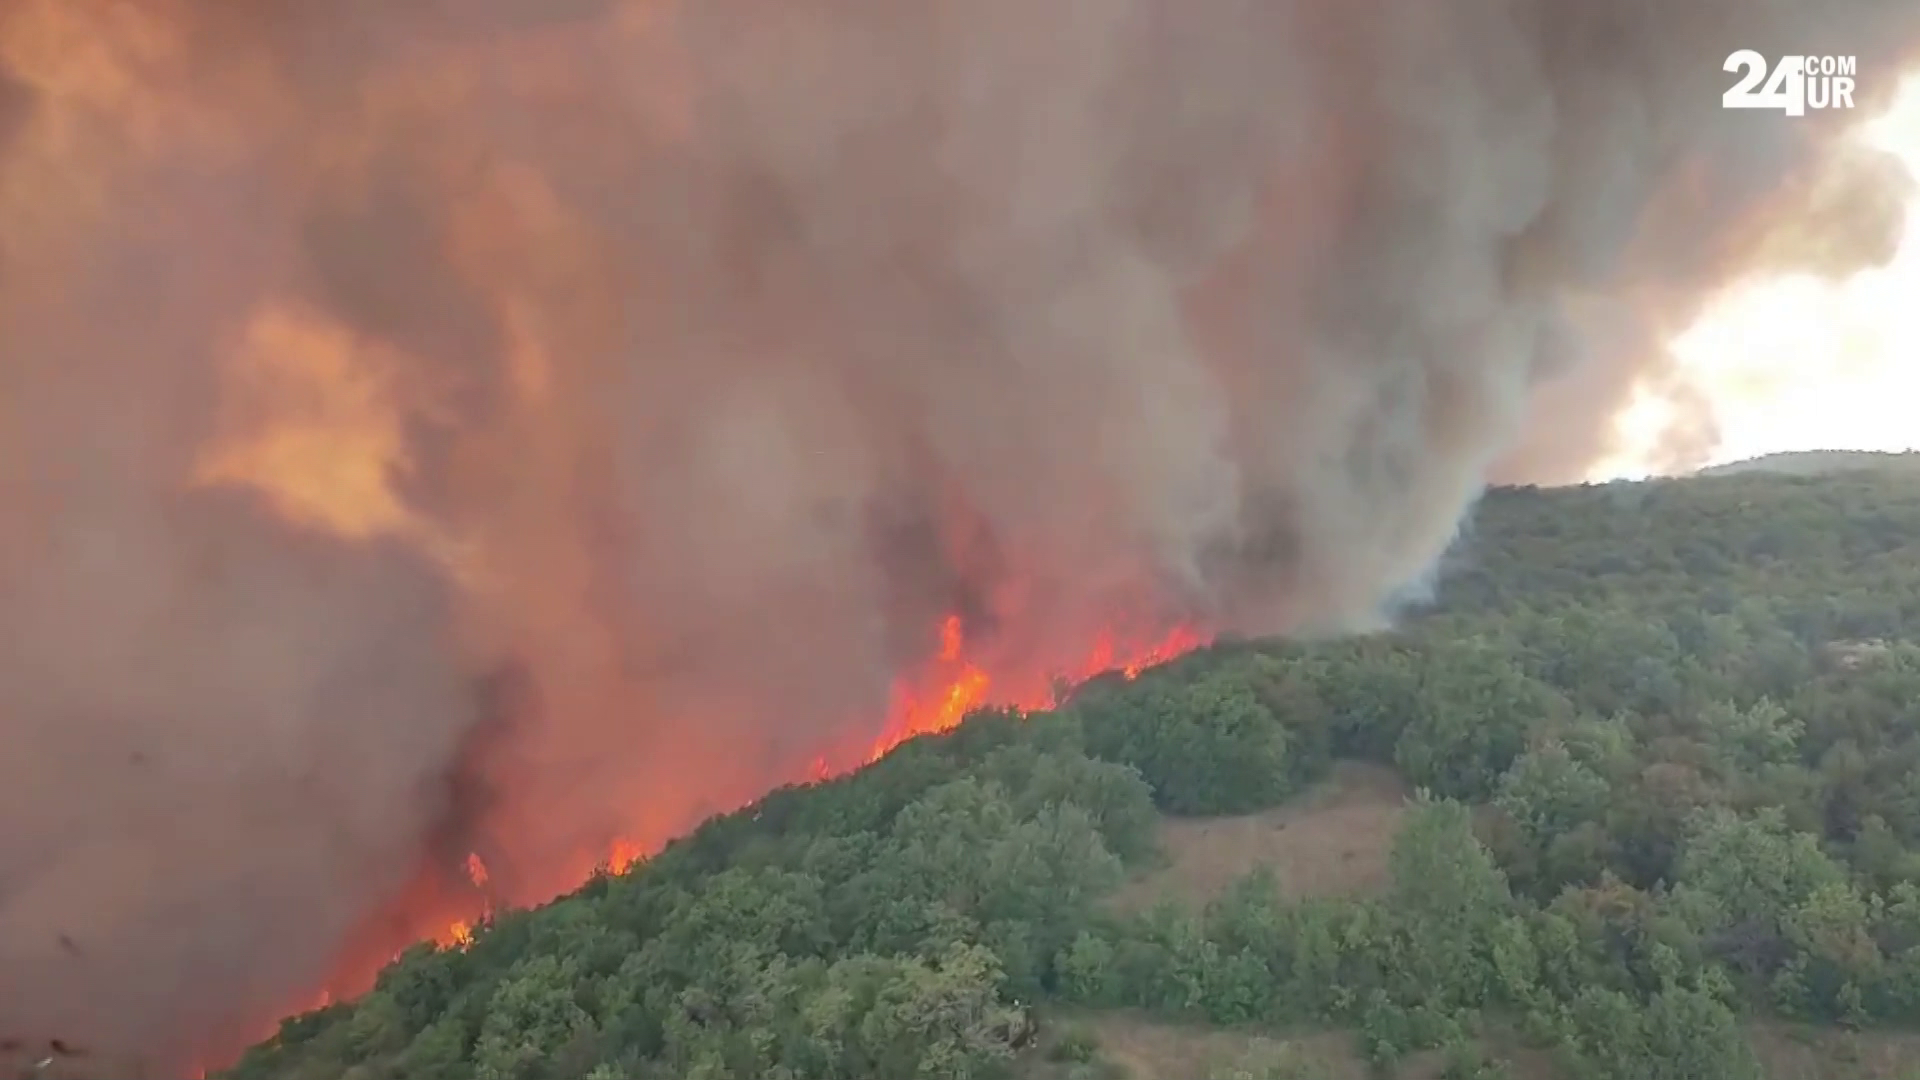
x=1208 y=746
x=1668 y=741
x=1679 y=1033
x=1475 y=709
x=530 y=1016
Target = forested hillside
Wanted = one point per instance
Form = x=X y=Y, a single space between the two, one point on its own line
x=1660 y=752
x=1818 y=462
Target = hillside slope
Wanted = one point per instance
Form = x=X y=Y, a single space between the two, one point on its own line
x=1656 y=832
x=1817 y=462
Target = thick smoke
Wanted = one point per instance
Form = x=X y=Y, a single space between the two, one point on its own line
x=691 y=361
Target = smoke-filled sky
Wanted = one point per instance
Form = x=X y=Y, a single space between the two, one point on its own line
x=1804 y=361
x=509 y=425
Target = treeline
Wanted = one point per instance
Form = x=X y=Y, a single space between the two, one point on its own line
x=1668 y=742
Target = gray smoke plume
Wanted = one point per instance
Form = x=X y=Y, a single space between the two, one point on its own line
x=692 y=361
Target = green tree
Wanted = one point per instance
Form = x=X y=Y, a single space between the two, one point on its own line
x=1209 y=746
x=529 y=1018
x=1475 y=711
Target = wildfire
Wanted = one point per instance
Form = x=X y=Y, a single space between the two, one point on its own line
x=333 y=465
x=916 y=716
x=939 y=699
x=964 y=689
x=951 y=685
x=954 y=686
x=322 y=416
x=623 y=855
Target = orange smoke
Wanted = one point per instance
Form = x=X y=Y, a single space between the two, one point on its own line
x=312 y=423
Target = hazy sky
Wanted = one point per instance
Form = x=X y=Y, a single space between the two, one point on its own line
x=1800 y=363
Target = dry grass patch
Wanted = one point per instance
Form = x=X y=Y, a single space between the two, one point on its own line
x=1802 y=1052
x=1332 y=841
x=1150 y=1049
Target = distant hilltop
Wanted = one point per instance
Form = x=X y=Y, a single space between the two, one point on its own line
x=1817 y=462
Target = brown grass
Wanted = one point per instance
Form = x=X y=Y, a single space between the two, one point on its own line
x=1332 y=841
x=1800 y=1052
x=1150 y=1049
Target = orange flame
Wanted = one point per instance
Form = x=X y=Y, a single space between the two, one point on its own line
x=954 y=686
x=623 y=856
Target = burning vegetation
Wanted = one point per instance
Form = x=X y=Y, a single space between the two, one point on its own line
x=447 y=447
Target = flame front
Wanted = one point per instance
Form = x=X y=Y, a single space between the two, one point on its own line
x=951 y=684
x=954 y=685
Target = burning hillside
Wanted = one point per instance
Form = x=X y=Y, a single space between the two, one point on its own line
x=444 y=446
x=443 y=907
